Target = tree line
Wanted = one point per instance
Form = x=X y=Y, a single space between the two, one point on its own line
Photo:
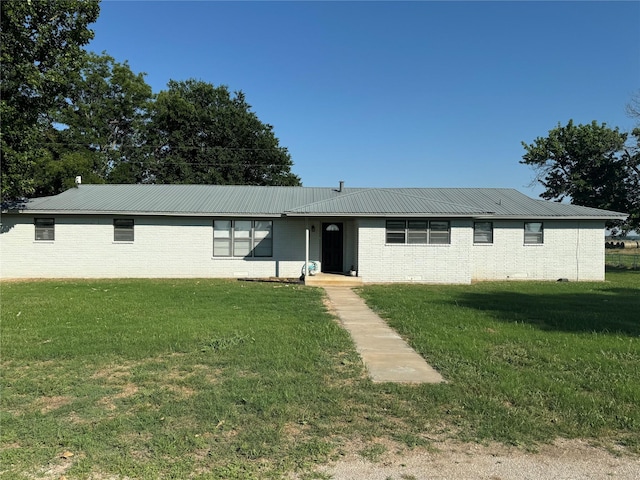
x=67 y=112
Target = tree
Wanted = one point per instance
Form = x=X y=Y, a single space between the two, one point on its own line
x=103 y=117
x=633 y=107
x=40 y=45
x=201 y=134
x=589 y=165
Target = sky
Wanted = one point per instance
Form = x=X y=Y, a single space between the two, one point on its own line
x=395 y=94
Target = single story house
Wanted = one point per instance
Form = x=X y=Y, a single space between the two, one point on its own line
x=430 y=235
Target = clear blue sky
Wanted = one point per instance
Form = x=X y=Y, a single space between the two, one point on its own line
x=395 y=94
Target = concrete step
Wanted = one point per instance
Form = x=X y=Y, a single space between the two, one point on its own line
x=331 y=279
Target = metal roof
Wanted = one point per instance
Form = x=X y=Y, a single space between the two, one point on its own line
x=245 y=200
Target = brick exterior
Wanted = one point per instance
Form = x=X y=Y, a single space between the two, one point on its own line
x=163 y=247
x=379 y=262
x=176 y=247
x=571 y=249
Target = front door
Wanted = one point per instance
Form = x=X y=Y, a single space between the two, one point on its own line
x=332 y=247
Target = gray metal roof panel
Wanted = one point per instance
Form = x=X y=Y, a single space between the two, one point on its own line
x=306 y=201
x=385 y=201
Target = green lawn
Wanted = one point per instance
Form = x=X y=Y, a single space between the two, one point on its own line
x=628 y=258
x=225 y=379
x=529 y=361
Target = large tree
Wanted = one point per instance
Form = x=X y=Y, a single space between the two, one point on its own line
x=99 y=128
x=40 y=47
x=589 y=165
x=202 y=134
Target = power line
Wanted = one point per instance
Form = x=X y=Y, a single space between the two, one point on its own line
x=177 y=147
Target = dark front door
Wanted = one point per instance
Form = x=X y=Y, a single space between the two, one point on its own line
x=332 y=247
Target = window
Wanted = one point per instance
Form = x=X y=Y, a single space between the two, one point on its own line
x=482 y=232
x=396 y=231
x=533 y=232
x=123 y=230
x=418 y=232
x=222 y=238
x=45 y=228
x=439 y=232
x=262 y=241
x=242 y=238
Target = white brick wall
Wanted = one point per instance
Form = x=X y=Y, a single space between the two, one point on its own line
x=163 y=247
x=183 y=247
x=379 y=262
x=571 y=249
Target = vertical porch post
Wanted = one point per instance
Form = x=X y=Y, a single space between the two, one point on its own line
x=306 y=252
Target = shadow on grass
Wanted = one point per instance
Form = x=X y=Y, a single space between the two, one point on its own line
x=609 y=310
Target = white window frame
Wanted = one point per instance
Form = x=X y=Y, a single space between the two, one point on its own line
x=233 y=238
x=45 y=229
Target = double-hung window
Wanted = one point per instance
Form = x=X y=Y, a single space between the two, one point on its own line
x=45 y=229
x=242 y=238
x=533 y=233
x=123 y=230
x=482 y=232
x=418 y=231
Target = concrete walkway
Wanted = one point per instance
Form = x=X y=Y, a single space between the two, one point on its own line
x=385 y=354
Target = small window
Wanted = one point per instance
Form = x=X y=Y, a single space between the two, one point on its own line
x=533 y=233
x=45 y=229
x=417 y=231
x=242 y=238
x=483 y=232
x=439 y=232
x=222 y=238
x=263 y=238
x=123 y=230
x=396 y=231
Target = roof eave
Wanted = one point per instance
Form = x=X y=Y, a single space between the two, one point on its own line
x=551 y=217
x=149 y=214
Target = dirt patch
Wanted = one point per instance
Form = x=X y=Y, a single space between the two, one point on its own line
x=49 y=404
x=566 y=459
x=328 y=305
x=128 y=390
x=180 y=391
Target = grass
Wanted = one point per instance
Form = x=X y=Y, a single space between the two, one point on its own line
x=628 y=258
x=529 y=361
x=222 y=379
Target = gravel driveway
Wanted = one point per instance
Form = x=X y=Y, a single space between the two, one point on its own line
x=572 y=459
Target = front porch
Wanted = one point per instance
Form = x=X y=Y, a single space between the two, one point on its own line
x=331 y=246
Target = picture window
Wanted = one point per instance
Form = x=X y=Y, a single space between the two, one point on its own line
x=242 y=238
